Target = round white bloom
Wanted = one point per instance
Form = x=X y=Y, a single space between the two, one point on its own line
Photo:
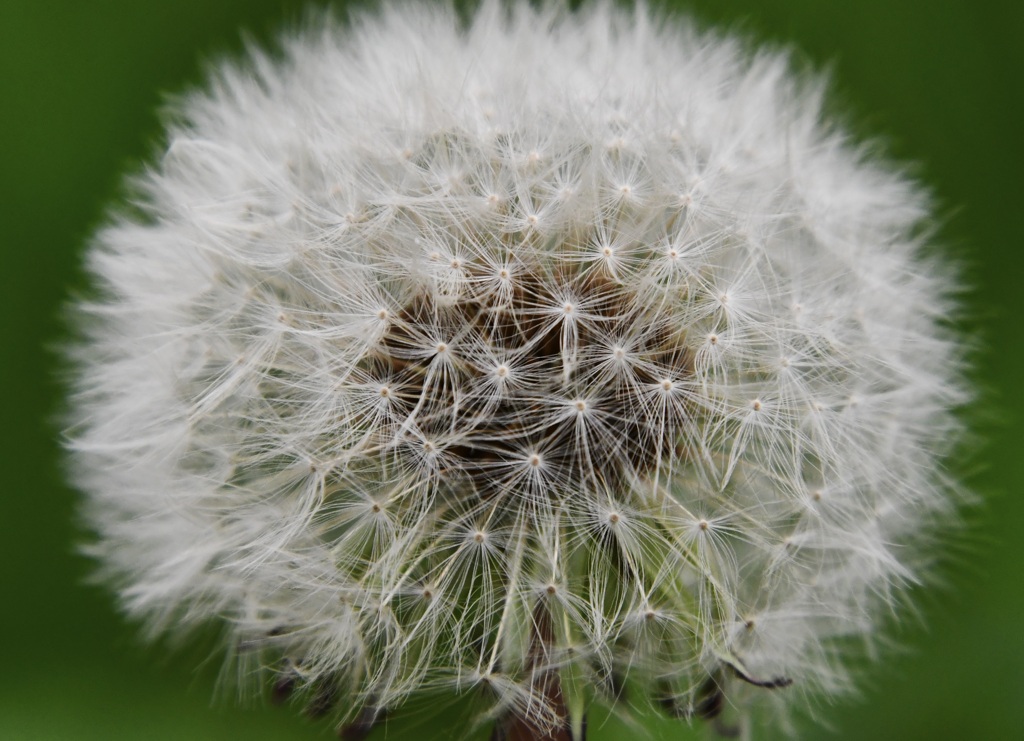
x=529 y=358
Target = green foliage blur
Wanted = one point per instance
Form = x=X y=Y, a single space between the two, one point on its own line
x=81 y=81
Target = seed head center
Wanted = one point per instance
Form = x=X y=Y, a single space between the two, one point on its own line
x=479 y=417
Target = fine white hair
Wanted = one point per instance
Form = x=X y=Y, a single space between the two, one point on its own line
x=533 y=354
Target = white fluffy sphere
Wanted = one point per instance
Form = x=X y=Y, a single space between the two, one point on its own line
x=531 y=358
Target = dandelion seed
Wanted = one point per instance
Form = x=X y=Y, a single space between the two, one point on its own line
x=425 y=370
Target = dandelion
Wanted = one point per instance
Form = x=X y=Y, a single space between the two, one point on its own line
x=541 y=358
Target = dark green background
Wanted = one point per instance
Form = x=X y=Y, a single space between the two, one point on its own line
x=940 y=81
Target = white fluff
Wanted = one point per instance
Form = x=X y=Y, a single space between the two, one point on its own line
x=547 y=352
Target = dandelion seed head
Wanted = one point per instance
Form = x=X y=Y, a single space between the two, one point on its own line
x=474 y=376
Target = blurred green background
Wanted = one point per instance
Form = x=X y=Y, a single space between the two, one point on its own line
x=80 y=83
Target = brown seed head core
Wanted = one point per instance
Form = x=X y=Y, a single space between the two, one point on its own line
x=560 y=373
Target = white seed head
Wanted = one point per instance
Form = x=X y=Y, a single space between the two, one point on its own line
x=506 y=411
